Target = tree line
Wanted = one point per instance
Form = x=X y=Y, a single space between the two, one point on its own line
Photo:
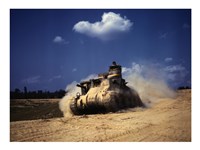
x=184 y=87
x=18 y=94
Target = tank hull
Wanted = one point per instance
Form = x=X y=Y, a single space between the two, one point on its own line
x=105 y=101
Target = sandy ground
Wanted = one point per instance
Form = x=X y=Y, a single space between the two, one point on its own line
x=167 y=120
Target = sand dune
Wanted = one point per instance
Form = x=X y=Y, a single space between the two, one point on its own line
x=167 y=120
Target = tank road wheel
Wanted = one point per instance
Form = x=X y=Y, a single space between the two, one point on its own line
x=73 y=107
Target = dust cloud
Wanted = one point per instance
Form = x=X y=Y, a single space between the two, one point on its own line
x=64 y=104
x=150 y=81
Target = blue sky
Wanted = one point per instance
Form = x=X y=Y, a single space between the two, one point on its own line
x=49 y=49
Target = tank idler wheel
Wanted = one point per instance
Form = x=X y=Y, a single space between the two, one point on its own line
x=73 y=107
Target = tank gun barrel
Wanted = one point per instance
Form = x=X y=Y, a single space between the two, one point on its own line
x=81 y=86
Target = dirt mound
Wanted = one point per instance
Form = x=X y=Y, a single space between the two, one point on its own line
x=167 y=120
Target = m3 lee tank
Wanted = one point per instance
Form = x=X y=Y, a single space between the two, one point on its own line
x=107 y=93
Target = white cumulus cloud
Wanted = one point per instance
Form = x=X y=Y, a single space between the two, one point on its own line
x=110 y=25
x=60 y=40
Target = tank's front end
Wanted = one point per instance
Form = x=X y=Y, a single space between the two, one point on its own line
x=94 y=102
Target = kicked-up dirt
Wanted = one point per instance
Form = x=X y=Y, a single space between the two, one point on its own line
x=167 y=120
